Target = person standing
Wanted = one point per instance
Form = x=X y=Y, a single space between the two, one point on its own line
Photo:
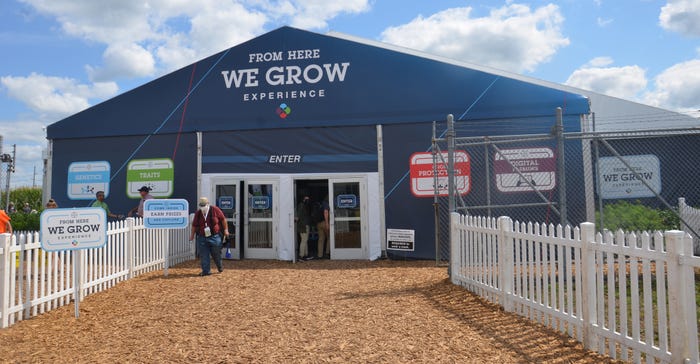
x=303 y=220
x=209 y=224
x=51 y=204
x=5 y=225
x=323 y=228
x=144 y=191
x=100 y=202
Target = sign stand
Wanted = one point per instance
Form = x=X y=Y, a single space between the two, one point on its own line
x=163 y=214
x=73 y=229
x=166 y=254
x=76 y=282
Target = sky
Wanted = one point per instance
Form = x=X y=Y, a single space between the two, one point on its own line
x=58 y=57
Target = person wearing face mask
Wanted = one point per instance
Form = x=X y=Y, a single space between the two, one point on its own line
x=209 y=224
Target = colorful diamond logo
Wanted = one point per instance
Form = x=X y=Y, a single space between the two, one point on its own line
x=283 y=111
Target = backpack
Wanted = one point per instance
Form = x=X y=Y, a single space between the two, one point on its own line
x=316 y=212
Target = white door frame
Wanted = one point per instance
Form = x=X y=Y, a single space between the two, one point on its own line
x=349 y=253
x=261 y=253
x=232 y=181
x=284 y=231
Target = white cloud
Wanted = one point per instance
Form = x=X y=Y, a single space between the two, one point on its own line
x=625 y=82
x=122 y=61
x=599 y=62
x=314 y=14
x=22 y=131
x=677 y=87
x=603 y=22
x=681 y=16
x=214 y=29
x=105 y=22
x=155 y=37
x=55 y=97
x=513 y=37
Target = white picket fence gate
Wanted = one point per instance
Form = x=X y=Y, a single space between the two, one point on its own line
x=33 y=281
x=625 y=295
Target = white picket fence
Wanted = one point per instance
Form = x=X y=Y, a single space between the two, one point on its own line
x=625 y=295
x=691 y=218
x=33 y=281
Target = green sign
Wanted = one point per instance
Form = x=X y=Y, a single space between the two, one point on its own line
x=156 y=174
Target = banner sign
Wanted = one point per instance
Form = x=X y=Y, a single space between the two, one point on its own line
x=618 y=181
x=86 y=178
x=157 y=174
x=422 y=180
x=537 y=167
x=165 y=213
x=73 y=229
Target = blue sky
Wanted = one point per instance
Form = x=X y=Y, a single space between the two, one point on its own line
x=62 y=56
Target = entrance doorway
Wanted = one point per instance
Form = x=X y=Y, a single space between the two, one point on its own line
x=345 y=231
x=311 y=242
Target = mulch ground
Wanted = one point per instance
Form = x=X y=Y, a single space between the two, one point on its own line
x=281 y=312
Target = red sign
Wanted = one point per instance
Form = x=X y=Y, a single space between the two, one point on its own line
x=422 y=174
x=537 y=167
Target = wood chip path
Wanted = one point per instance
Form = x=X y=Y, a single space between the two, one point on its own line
x=279 y=312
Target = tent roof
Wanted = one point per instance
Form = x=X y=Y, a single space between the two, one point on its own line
x=294 y=78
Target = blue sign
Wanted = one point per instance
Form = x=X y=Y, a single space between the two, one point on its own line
x=346 y=201
x=166 y=213
x=226 y=202
x=86 y=178
x=260 y=202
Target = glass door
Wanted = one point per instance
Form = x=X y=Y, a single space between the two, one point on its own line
x=226 y=198
x=261 y=220
x=347 y=209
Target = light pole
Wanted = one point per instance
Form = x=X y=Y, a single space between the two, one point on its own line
x=10 y=160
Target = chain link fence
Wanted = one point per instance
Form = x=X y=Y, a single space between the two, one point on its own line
x=620 y=180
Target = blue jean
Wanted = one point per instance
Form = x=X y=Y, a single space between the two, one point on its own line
x=209 y=246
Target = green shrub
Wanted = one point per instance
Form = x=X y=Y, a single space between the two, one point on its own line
x=20 y=195
x=25 y=222
x=20 y=220
x=637 y=217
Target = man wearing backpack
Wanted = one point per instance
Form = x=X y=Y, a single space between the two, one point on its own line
x=323 y=227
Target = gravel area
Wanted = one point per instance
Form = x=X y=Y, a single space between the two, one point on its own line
x=280 y=312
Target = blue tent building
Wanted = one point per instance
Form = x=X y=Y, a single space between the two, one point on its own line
x=292 y=113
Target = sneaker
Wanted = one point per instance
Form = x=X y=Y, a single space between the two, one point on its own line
x=202 y=274
x=220 y=269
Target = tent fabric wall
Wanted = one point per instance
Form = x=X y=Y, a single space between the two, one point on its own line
x=353 y=84
x=118 y=151
x=300 y=150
